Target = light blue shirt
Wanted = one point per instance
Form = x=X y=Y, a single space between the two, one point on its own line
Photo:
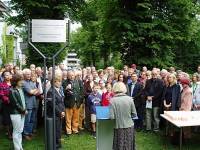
x=29 y=99
x=132 y=87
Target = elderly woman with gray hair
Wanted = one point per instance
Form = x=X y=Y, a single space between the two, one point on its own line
x=122 y=109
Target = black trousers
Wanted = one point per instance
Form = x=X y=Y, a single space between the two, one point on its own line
x=6 y=121
x=140 y=113
x=87 y=118
x=58 y=131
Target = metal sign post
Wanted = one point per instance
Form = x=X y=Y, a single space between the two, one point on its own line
x=49 y=31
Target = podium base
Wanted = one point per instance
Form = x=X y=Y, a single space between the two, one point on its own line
x=105 y=134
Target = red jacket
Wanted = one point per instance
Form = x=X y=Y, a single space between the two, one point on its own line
x=106 y=98
x=4 y=92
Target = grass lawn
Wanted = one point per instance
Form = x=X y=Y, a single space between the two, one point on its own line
x=144 y=141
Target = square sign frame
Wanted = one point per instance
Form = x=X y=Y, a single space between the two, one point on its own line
x=48 y=31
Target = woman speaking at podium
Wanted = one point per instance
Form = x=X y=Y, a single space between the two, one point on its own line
x=122 y=109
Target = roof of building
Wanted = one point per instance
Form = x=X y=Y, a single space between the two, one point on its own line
x=3 y=7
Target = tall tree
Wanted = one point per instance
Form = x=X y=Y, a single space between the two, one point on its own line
x=147 y=32
x=40 y=9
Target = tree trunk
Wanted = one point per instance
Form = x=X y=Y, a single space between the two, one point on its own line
x=93 y=59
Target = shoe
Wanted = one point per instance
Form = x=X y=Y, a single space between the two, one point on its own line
x=32 y=135
x=68 y=134
x=75 y=132
x=138 y=129
x=156 y=131
x=94 y=135
x=34 y=131
x=58 y=147
x=81 y=129
x=28 y=138
x=147 y=131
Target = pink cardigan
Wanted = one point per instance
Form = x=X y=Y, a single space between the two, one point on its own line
x=186 y=99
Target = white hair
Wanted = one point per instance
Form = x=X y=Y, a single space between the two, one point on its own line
x=26 y=70
x=112 y=67
x=38 y=68
x=164 y=71
x=119 y=87
x=186 y=75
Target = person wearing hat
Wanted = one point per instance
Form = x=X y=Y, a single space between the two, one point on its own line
x=186 y=95
x=134 y=67
x=186 y=103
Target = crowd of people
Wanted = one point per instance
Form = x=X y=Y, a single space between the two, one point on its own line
x=78 y=91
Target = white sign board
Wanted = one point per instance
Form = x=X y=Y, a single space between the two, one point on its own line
x=48 y=31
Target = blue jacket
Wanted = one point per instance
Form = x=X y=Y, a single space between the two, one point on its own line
x=1 y=79
x=93 y=101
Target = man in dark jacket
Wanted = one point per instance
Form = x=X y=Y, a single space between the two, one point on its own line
x=59 y=107
x=73 y=90
x=153 y=92
x=135 y=90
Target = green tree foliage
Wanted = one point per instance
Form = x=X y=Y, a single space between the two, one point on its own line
x=49 y=49
x=158 y=33
x=90 y=41
x=40 y=9
x=3 y=47
x=7 y=48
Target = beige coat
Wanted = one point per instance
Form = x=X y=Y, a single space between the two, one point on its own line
x=186 y=105
x=186 y=99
